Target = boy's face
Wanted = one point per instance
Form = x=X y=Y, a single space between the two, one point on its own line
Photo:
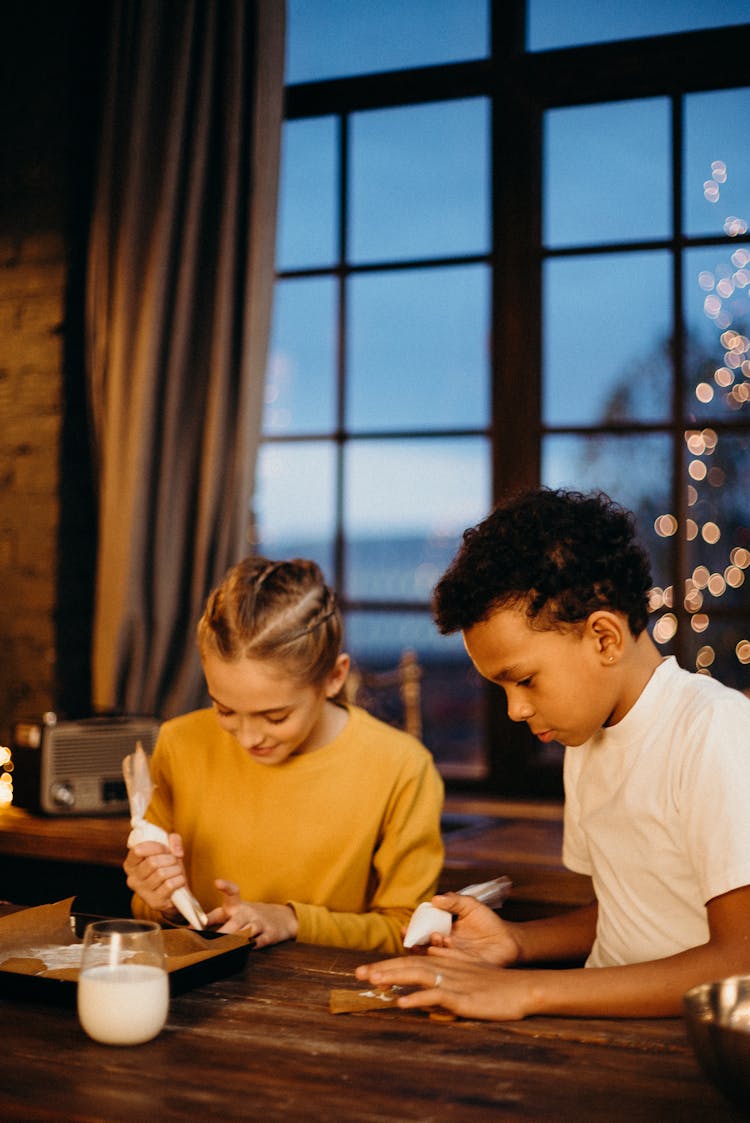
x=558 y=682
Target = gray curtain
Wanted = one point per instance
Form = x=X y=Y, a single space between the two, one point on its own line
x=180 y=278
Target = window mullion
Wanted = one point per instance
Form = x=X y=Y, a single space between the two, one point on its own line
x=678 y=374
x=341 y=348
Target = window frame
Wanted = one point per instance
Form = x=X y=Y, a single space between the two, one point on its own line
x=521 y=86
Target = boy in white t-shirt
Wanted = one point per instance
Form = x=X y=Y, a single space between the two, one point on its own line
x=550 y=592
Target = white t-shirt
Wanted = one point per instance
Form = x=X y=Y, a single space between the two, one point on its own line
x=657 y=812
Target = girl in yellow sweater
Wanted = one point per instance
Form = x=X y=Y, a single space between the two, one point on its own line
x=290 y=814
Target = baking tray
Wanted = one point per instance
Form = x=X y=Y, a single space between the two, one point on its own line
x=193 y=958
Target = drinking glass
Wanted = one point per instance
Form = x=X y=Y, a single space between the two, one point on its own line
x=123 y=987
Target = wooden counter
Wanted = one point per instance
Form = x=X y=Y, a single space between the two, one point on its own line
x=262 y=1045
x=98 y=841
x=45 y=859
x=529 y=833
x=520 y=839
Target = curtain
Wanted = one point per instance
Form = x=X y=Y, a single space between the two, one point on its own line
x=179 y=289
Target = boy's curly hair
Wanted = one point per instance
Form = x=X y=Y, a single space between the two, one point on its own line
x=562 y=553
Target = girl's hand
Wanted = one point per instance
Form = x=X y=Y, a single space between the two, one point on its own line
x=469 y=989
x=154 y=871
x=267 y=924
x=478 y=933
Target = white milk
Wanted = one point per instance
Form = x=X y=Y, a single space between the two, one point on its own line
x=123 y=1005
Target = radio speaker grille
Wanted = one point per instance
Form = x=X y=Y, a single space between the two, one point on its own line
x=94 y=751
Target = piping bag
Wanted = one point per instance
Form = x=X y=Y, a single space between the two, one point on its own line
x=426 y=919
x=135 y=770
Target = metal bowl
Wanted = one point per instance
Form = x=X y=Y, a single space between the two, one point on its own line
x=718 y=1023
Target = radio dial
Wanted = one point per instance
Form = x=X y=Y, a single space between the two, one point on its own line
x=62 y=794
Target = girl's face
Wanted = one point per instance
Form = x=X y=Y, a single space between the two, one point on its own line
x=271 y=715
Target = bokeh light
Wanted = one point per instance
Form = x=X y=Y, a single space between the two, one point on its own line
x=705 y=656
x=665 y=628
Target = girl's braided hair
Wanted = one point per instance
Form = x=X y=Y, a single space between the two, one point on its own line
x=281 y=611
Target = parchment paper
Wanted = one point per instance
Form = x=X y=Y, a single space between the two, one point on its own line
x=43 y=941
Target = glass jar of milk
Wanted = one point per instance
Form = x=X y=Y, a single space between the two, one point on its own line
x=123 y=986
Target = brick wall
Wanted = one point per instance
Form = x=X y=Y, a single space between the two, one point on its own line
x=32 y=291
x=48 y=106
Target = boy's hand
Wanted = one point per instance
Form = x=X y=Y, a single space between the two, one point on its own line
x=469 y=989
x=266 y=923
x=154 y=871
x=478 y=934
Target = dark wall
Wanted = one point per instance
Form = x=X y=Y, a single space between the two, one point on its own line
x=49 y=101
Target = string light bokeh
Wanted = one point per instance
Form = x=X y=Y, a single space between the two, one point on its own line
x=6 y=778
x=727 y=389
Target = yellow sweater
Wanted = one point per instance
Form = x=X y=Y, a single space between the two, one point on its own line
x=349 y=835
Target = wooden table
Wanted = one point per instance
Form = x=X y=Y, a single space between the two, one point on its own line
x=261 y=1045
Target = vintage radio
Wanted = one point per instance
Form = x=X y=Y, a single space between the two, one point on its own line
x=75 y=767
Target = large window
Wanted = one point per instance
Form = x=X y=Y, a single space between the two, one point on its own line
x=506 y=258
x=647 y=396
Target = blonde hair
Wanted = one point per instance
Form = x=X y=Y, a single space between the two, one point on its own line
x=281 y=611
